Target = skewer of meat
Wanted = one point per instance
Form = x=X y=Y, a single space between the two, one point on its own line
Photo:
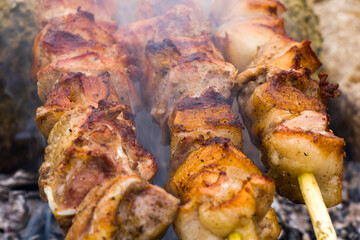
x=187 y=87
x=284 y=107
x=94 y=167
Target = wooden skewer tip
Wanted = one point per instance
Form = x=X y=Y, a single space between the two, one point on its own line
x=315 y=204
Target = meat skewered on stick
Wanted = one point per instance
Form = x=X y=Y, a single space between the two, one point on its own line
x=94 y=167
x=284 y=107
x=185 y=86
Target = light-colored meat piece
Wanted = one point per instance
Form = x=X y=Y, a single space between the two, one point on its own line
x=304 y=144
x=285 y=111
x=232 y=10
x=239 y=41
x=124 y=208
x=85 y=147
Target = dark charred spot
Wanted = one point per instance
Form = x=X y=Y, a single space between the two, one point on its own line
x=328 y=90
x=61 y=41
x=87 y=15
x=208 y=98
x=153 y=47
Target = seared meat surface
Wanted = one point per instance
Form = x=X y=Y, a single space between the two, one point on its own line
x=85 y=147
x=195 y=120
x=223 y=192
x=90 y=64
x=181 y=21
x=73 y=35
x=73 y=90
x=124 y=208
x=189 y=73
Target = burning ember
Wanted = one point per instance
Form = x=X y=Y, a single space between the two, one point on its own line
x=117 y=79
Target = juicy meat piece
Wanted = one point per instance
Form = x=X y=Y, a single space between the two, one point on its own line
x=250 y=33
x=239 y=40
x=90 y=64
x=145 y=212
x=73 y=90
x=181 y=21
x=85 y=147
x=245 y=25
x=46 y=10
x=285 y=53
x=189 y=75
x=152 y=8
x=223 y=192
x=161 y=56
x=124 y=208
x=73 y=35
x=285 y=111
x=302 y=144
x=263 y=92
x=195 y=120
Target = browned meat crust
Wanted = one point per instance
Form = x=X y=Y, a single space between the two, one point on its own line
x=73 y=35
x=91 y=144
x=124 y=208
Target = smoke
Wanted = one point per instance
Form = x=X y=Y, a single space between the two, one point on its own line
x=42 y=225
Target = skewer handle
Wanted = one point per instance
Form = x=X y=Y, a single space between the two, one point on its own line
x=319 y=215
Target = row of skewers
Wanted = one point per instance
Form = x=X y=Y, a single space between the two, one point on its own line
x=94 y=168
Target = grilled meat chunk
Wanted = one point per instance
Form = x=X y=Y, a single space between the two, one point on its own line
x=161 y=56
x=85 y=147
x=188 y=75
x=239 y=40
x=73 y=35
x=181 y=21
x=304 y=144
x=195 y=120
x=124 y=208
x=73 y=90
x=285 y=111
x=245 y=25
x=223 y=192
x=285 y=53
x=46 y=10
x=90 y=64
